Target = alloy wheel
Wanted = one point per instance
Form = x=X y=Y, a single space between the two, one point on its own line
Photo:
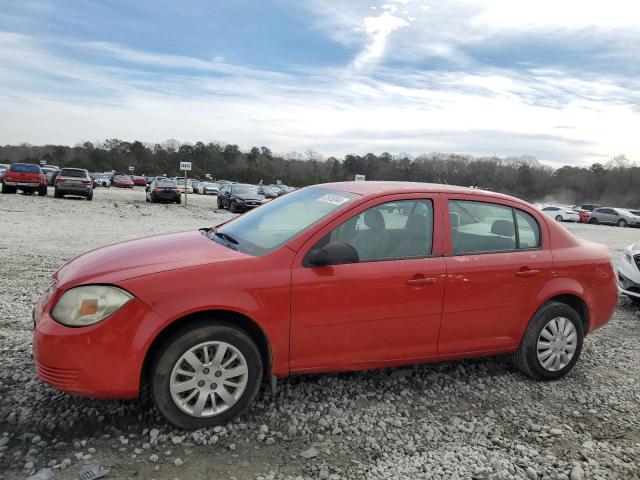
x=208 y=379
x=557 y=344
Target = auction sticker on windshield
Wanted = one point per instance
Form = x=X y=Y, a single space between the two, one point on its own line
x=333 y=199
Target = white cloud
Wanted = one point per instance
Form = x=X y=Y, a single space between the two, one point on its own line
x=378 y=30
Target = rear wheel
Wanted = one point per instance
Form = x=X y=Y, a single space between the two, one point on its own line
x=179 y=200
x=42 y=191
x=593 y=221
x=7 y=189
x=552 y=342
x=205 y=375
x=57 y=194
x=559 y=218
x=90 y=196
x=622 y=223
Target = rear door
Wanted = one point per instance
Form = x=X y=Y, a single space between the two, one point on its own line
x=497 y=258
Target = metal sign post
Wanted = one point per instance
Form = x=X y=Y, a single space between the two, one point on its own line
x=185 y=167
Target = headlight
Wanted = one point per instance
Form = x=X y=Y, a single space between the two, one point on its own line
x=82 y=306
x=627 y=257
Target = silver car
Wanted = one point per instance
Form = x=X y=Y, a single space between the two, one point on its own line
x=614 y=216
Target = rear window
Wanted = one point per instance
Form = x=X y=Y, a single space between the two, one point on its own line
x=166 y=183
x=73 y=173
x=24 y=168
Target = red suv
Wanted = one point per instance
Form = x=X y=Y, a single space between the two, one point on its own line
x=334 y=277
x=26 y=177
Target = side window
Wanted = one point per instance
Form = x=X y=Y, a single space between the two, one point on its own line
x=392 y=230
x=528 y=230
x=481 y=227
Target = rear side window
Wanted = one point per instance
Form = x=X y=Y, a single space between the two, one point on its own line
x=24 y=168
x=480 y=227
x=73 y=173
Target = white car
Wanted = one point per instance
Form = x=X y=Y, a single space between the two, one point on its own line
x=180 y=181
x=629 y=272
x=561 y=213
x=207 y=188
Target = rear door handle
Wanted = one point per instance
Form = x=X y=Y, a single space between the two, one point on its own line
x=527 y=272
x=421 y=281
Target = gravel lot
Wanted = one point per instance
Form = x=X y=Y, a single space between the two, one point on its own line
x=452 y=420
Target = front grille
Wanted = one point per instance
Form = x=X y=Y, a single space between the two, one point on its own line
x=63 y=377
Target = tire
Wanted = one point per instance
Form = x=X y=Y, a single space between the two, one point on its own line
x=559 y=218
x=179 y=201
x=593 y=221
x=42 y=192
x=57 y=194
x=622 y=223
x=195 y=338
x=219 y=205
x=526 y=356
x=233 y=207
x=8 y=189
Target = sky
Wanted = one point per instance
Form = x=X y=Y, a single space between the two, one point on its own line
x=558 y=80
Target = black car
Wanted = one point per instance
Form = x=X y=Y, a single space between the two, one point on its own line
x=163 y=190
x=239 y=197
x=73 y=181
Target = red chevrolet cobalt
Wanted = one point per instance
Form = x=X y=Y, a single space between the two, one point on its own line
x=334 y=277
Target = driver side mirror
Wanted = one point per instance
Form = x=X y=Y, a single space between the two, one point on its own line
x=333 y=253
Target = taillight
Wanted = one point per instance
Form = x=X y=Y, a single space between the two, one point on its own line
x=157 y=190
x=59 y=180
x=177 y=190
x=86 y=182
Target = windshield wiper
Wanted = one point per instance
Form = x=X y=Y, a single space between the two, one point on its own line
x=225 y=236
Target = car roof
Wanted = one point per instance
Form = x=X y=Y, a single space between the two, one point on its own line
x=78 y=169
x=375 y=188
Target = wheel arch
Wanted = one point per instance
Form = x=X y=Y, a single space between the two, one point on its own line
x=228 y=316
x=574 y=301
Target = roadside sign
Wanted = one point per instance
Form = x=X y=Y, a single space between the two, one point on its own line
x=207 y=175
x=359 y=178
x=185 y=166
x=278 y=182
x=43 y=162
x=131 y=169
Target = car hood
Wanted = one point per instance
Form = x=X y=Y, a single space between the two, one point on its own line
x=247 y=196
x=145 y=256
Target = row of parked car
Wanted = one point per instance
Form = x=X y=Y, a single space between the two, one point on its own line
x=593 y=214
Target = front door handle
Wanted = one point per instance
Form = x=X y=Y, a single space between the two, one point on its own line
x=417 y=281
x=527 y=272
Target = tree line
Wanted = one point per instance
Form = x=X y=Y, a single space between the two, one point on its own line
x=616 y=182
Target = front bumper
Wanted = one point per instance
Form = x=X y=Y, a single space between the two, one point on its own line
x=100 y=361
x=629 y=278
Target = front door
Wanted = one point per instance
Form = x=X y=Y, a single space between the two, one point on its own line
x=384 y=308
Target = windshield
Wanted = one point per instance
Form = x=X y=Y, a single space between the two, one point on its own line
x=264 y=229
x=244 y=189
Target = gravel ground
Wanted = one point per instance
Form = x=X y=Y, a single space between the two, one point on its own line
x=451 y=420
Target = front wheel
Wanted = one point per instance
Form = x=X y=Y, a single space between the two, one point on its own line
x=559 y=218
x=205 y=375
x=552 y=342
x=622 y=223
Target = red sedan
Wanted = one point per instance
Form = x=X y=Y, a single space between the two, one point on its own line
x=122 y=181
x=334 y=277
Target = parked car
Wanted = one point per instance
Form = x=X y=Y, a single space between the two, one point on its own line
x=635 y=212
x=207 y=188
x=163 y=190
x=325 y=279
x=194 y=185
x=629 y=272
x=181 y=185
x=561 y=213
x=614 y=216
x=75 y=182
x=27 y=177
x=101 y=180
x=586 y=206
x=584 y=214
x=239 y=197
x=3 y=169
x=48 y=173
x=139 y=181
x=122 y=181
x=268 y=191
